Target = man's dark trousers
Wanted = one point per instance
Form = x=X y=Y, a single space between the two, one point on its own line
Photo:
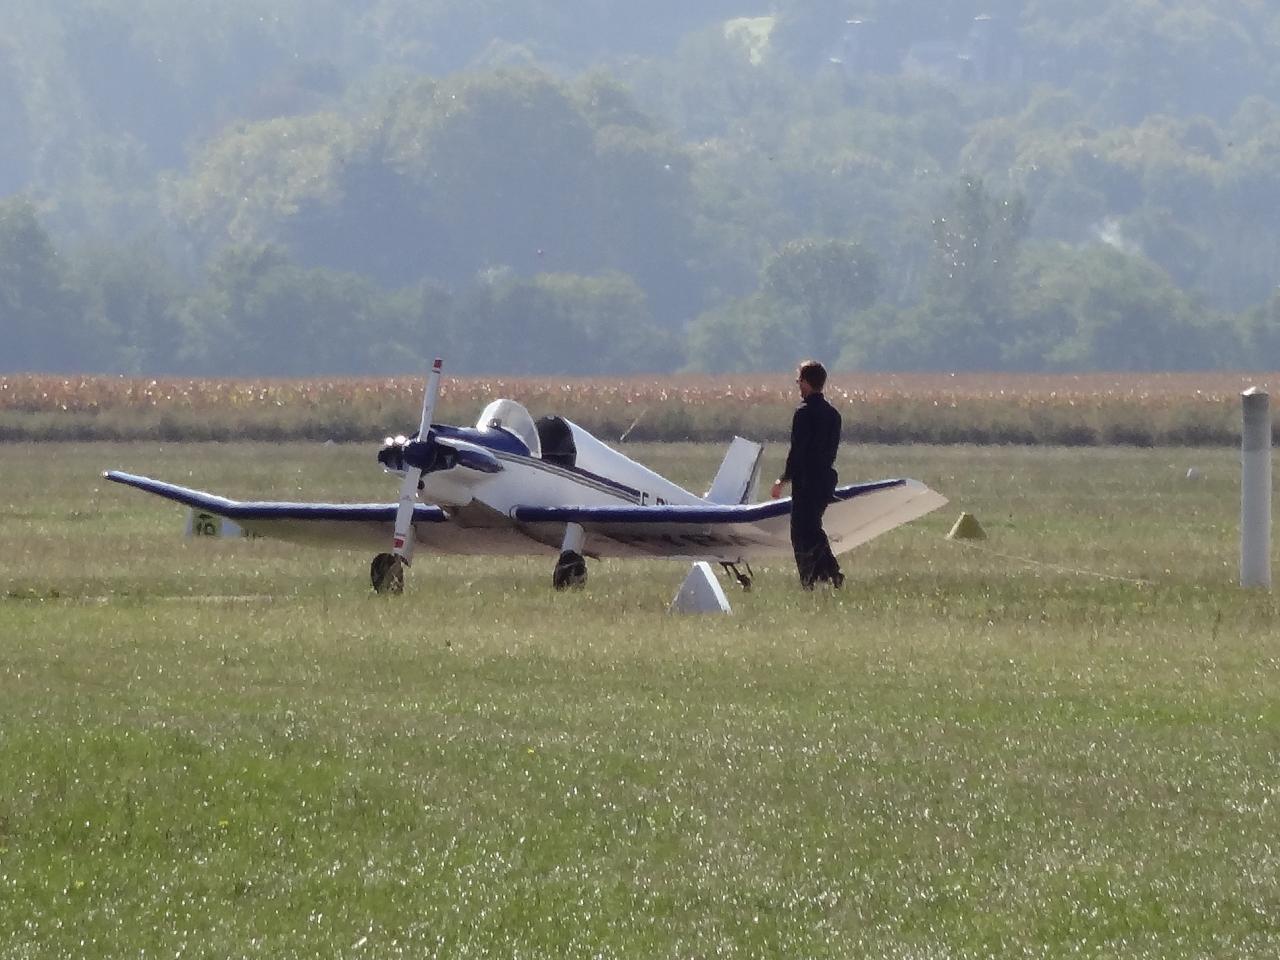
x=814 y=559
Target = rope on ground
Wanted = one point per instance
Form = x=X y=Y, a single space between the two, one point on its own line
x=1052 y=566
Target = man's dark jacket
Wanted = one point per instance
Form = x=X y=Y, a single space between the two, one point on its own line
x=815 y=436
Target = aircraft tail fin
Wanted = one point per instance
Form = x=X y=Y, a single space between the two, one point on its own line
x=739 y=473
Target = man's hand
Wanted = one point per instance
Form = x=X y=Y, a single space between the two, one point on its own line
x=776 y=490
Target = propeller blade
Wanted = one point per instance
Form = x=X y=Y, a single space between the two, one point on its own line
x=429 y=398
x=402 y=544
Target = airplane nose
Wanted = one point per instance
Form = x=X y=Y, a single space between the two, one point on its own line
x=400 y=454
x=420 y=454
x=391 y=456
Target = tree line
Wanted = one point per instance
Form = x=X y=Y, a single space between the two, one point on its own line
x=583 y=187
x=258 y=312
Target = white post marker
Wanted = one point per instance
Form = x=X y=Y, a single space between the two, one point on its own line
x=700 y=592
x=1255 y=490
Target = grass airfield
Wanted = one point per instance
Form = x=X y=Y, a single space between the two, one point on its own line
x=234 y=749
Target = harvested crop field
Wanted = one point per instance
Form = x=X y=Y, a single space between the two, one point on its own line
x=1162 y=409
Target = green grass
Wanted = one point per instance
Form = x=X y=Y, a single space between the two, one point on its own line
x=227 y=749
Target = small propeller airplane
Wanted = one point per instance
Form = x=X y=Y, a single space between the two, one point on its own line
x=509 y=486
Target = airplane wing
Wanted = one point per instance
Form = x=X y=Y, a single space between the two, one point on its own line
x=858 y=513
x=362 y=525
x=702 y=531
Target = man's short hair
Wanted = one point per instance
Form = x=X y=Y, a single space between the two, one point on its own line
x=814 y=374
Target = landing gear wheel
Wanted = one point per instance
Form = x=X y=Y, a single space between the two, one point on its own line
x=387 y=573
x=571 y=571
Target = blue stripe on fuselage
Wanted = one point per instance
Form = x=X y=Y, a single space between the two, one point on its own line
x=515 y=450
x=578 y=475
x=501 y=440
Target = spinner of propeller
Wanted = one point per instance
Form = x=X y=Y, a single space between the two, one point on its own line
x=399 y=453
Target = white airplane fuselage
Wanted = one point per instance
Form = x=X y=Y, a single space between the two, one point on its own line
x=503 y=461
x=600 y=476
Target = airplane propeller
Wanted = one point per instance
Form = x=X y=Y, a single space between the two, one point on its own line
x=388 y=569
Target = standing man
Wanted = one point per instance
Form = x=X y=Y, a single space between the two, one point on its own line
x=815 y=436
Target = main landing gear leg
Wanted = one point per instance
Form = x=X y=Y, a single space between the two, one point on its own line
x=571 y=568
x=744 y=579
x=387 y=573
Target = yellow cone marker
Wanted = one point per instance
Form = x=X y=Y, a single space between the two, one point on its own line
x=967 y=528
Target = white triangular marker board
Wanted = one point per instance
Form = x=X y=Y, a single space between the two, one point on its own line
x=700 y=592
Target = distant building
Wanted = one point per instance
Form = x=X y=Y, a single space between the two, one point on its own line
x=993 y=51
x=864 y=49
x=989 y=53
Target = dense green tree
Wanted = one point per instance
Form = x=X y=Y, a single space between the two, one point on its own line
x=1069 y=309
x=261 y=314
x=1257 y=338
x=562 y=324
x=975 y=246
x=507 y=169
x=1102 y=309
x=965 y=318
x=826 y=282
x=415 y=325
x=42 y=325
x=499 y=161
x=753 y=333
x=879 y=339
x=134 y=296
x=247 y=183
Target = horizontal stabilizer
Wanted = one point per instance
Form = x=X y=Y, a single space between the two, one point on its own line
x=854 y=521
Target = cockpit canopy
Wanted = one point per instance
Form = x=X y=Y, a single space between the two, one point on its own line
x=514 y=418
